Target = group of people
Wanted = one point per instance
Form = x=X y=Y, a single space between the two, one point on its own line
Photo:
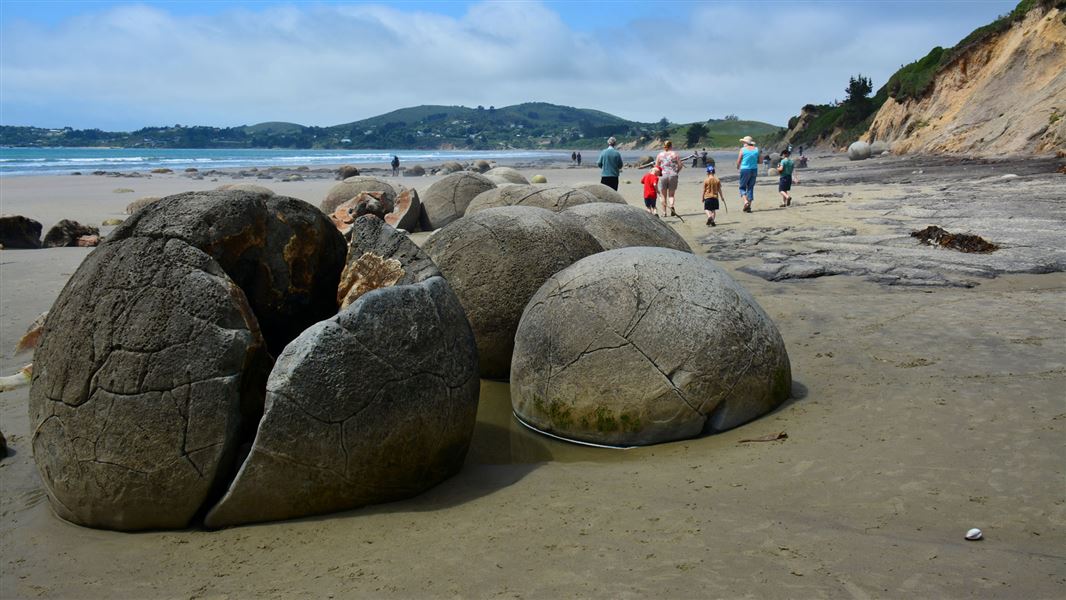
x=660 y=182
x=575 y=157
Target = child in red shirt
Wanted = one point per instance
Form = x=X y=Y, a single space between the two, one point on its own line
x=651 y=189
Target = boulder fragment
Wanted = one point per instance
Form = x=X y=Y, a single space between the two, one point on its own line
x=68 y=233
x=21 y=232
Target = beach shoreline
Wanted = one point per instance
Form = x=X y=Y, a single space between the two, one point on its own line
x=920 y=408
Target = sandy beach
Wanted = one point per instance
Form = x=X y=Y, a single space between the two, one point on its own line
x=926 y=400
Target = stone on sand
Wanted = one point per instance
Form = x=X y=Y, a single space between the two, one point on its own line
x=495 y=260
x=645 y=345
x=447 y=199
x=621 y=226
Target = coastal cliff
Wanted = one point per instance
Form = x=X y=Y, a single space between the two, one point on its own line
x=1005 y=94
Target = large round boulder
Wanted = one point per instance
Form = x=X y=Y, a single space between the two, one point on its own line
x=495 y=260
x=645 y=345
x=859 y=151
x=506 y=175
x=622 y=226
x=246 y=187
x=352 y=187
x=17 y=231
x=450 y=166
x=603 y=193
x=284 y=253
x=140 y=203
x=149 y=368
x=446 y=200
x=554 y=199
x=373 y=405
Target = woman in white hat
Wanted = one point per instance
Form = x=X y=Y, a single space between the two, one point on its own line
x=748 y=164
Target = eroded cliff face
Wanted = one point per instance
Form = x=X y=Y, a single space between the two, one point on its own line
x=1006 y=95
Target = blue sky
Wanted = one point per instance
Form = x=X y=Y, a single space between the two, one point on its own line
x=125 y=65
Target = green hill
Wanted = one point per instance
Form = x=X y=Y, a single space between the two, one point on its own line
x=531 y=125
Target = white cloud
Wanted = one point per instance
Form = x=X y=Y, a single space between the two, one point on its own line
x=325 y=64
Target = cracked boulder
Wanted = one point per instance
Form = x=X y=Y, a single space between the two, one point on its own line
x=352 y=187
x=555 y=199
x=446 y=200
x=150 y=366
x=408 y=211
x=396 y=420
x=282 y=252
x=495 y=260
x=67 y=233
x=504 y=175
x=621 y=226
x=603 y=193
x=645 y=345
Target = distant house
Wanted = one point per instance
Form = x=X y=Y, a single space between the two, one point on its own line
x=346 y=141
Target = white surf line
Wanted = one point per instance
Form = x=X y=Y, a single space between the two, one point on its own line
x=568 y=440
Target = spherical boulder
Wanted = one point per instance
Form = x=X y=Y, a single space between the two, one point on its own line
x=495 y=260
x=346 y=171
x=140 y=203
x=446 y=200
x=373 y=405
x=17 y=231
x=351 y=187
x=538 y=179
x=623 y=226
x=602 y=193
x=859 y=151
x=247 y=187
x=554 y=199
x=506 y=175
x=450 y=167
x=481 y=166
x=149 y=368
x=282 y=252
x=644 y=345
x=415 y=171
x=66 y=233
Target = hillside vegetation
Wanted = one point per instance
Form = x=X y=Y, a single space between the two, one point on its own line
x=530 y=125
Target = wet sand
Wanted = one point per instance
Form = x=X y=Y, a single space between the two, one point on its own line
x=918 y=412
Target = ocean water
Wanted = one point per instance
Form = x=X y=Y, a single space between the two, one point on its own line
x=63 y=161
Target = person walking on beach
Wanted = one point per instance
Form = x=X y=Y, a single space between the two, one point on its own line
x=610 y=164
x=784 y=185
x=651 y=190
x=579 y=159
x=395 y=165
x=669 y=164
x=748 y=164
x=573 y=157
x=712 y=191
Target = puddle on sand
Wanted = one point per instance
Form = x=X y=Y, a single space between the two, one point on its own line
x=499 y=439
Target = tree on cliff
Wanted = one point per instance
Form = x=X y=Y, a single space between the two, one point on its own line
x=695 y=133
x=857 y=105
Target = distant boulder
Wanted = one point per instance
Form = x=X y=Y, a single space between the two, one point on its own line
x=447 y=199
x=247 y=187
x=347 y=171
x=450 y=167
x=482 y=166
x=140 y=203
x=17 y=231
x=554 y=199
x=878 y=147
x=506 y=175
x=538 y=179
x=859 y=151
x=351 y=187
x=162 y=171
x=622 y=226
x=415 y=171
x=66 y=233
x=603 y=193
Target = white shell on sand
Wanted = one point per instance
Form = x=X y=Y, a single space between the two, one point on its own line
x=974 y=534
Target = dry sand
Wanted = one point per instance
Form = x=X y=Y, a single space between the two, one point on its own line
x=917 y=414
